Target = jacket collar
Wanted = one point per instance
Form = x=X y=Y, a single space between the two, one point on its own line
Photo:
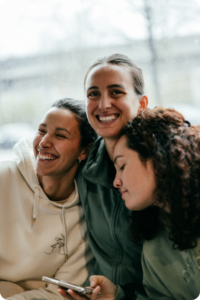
x=99 y=168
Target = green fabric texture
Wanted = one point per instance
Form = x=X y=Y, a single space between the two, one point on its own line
x=117 y=257
x=169 y=273
x=120 y=294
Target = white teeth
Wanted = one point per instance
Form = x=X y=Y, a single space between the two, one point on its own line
x=46 y=157
x=108 y=118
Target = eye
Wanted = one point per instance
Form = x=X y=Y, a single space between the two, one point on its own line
x=41 y=131
x=122 y=167
x=61 y=136
x=93 y=94
x=117 y=92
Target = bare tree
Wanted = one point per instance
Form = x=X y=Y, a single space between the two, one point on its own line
x=153 y=50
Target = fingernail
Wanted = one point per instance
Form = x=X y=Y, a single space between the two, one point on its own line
x=92 y=283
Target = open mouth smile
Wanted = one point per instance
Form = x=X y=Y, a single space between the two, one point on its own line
x=46 y=157
x=107 y=119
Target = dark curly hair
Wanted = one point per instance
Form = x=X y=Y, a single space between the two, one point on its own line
x=88 y=135
x=173 y=145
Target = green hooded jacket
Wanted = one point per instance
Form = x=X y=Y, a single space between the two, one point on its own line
x=117 y=257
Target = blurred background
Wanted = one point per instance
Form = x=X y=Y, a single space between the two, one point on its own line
x=46 y=47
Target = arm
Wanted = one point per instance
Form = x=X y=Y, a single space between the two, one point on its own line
x=108 y=290
x=74 y=270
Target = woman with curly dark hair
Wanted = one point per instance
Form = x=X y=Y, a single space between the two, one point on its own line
x=158 y=173
x=157 y=160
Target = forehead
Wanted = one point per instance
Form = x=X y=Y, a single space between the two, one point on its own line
x=120 y=146
x=60 y=117
x=109 y=74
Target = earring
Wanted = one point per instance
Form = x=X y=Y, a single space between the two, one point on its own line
x=79 y=161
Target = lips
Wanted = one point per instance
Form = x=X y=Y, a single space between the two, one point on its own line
x=46 y=156
x=107 y=118
x=123 y=192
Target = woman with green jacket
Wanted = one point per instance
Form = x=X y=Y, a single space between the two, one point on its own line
x=114 y=89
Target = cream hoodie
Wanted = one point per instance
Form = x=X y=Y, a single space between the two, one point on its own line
x=54 y=245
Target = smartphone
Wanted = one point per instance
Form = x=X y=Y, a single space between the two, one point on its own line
x=66 y=285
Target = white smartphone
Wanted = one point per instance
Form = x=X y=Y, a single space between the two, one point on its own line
x=66 y=285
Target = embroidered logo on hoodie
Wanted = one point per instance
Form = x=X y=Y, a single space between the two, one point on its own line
x=60 y=243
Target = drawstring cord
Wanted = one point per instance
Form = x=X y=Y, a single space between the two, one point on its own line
x=36 y=204
x=65 y=233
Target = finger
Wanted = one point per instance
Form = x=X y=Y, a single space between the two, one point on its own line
x=75 y=296
x=96 y=280
x=95 y=293
x=64 y=294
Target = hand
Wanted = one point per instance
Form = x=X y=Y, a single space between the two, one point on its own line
x=71 y=295
x=100 y=284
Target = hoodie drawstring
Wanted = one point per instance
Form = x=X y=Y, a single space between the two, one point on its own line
x=65 y=233
x=35 y=203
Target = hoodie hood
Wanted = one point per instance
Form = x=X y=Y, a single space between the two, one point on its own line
x=99 y=168
x=26 y=165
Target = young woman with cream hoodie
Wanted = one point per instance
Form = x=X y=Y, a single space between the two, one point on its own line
x=43 y=230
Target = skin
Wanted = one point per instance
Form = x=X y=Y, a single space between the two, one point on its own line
x=134 y=178
x=57 y=152
x=100 y=284
x=110 y=95
x=111 y=101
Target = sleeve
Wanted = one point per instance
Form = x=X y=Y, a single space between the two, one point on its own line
x=152 y=284
x=74 y=270
x=120 y=294
x=127 y=292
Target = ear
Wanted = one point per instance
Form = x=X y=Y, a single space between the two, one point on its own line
x=143 y=103
x=85 y=152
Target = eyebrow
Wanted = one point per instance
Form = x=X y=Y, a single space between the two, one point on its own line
x=64 y=129
x=57 y=128
x=108 y=87
x=115 y=159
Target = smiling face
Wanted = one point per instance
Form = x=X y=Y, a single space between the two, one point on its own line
x=134 y=178
x=111 y=99
x=57 y=143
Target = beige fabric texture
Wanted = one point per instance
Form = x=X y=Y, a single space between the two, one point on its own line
x=55 y=245
x=8 y=289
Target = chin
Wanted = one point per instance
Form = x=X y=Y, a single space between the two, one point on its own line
x=41 y=172
x=130 y=206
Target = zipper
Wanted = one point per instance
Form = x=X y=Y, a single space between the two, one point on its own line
x=116 y=271
x=118 y=209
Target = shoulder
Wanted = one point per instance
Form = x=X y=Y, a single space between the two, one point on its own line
x=8 y=167
x=158 y=246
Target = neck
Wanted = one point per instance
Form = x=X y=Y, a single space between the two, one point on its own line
x=57 y=188
x=110 y=145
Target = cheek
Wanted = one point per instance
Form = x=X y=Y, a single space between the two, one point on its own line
x=129 y=110
x=89 y=106
x=36 y=142
x=68 y=150
x=132 y=106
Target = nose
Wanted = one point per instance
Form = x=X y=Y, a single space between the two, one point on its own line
x=117 y=182
x=45 y=142
x=105 y=102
